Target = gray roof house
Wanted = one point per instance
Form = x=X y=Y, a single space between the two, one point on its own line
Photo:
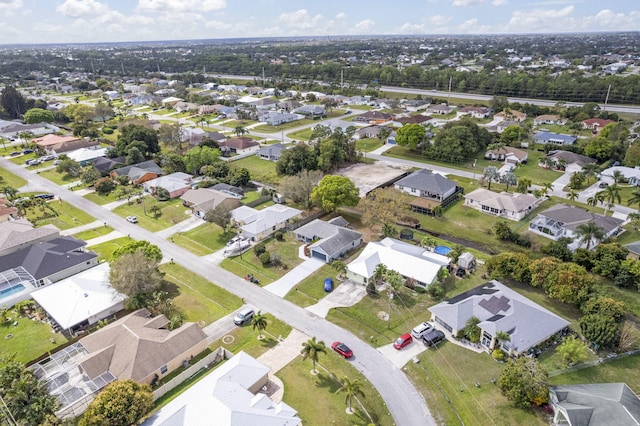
x=333 y=239
x=430 y=189
x=553 y=138
x=512 y=206
x=311 y=110
x=271 y=152
x=563 y=220
x=499 y=309
x=17 y=234
x=138 y=173
x=570 y=161
x=273 y=118
x=594 y=404
x=202 y=200
x=256 y=225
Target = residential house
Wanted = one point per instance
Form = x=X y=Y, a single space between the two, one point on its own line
x=176 y=184
x=186 y=106
x=373 y=117
x=104 y=165
x=367 y=132
x=634 y=250
x=170 y=101
x=207 y=109
x=233 y=391
x=56 y=145
x=562 y=221
x=631 y=174
x=499 y=309
x=311 y=111
x=440 y=109
x=201 y=200
x=501 y=126
x=511 y=115
x=256 y=225
x=549 y=119
x=273 y=118
x=476 y=112
x=594 y=404
x=568 y=161
x=20 y=233
x=288 y=105
x=241 y=145
x=329 y=240
x=359 y=100
x=512 y=206
x=415 y=105
x=413 y=119
x=13 y=131
x=596 y=124
x=271 y=152
x=82 y=299
x=508 y=155
x=192 y=135
x=86 y=156
x=417 y=265
x=545 y=138
x=139 y=173
x=430 y=189
x=225 y=188
x=7 y=211
x=263 y=103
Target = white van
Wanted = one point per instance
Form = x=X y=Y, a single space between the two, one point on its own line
x=243 y=316
x=421 y=329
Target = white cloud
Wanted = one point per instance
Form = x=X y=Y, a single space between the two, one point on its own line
x=471 y=26
x=539 y=19
x=608 y=19
x=300 y=19
x=499 y=2
x=465 y=3
x=409 y=28
x=10 y=5
x=341 y=15
x=181 y=5
x=364 y=26
x=82 y=8
x=439 y=20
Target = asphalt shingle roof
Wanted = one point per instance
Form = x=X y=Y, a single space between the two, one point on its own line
x=425 y=180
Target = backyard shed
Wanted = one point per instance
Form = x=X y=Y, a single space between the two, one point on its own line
x=466 y=260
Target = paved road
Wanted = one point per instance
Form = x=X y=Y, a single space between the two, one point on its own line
x=403 y=400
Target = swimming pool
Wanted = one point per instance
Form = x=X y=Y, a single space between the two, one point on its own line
x=6 y=292
x=443 y=250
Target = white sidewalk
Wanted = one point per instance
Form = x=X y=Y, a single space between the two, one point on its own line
x=184 y=226
x=282 y=286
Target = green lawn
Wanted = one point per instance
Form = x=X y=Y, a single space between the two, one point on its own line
x=106 y=249
x=199 y=299
x=248 y=263
x=310 y=290
x=557 y=128
x=245 y=338
x=93 y=233
x=9 y=179
x=260 y=170
x=20 y=159
x=265 y=128
x=315 y=397
x=205 y=239
x=446 y=378
x=250 y=196
x=30 y=340
x=59 y=178
x=172 y=212
x=231 y=125
x=622 y=369
x=304 y=134
x=66 y=216
x=102 y=199
x=368 y=144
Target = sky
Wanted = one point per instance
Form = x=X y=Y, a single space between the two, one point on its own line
x=87 y=21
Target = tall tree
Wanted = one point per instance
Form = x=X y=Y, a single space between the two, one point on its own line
x=312 y=349
x=524 y=382
x=351 y=389
x=589 y=232
x=38 y=115
x=384 y=206
x=411 y=135
x=491 y=174
x=299 y=187
x=335 y=191
x=259 y=321
x=634 y=198
x=12 y=102
x=134 y=273
x=120 y=403
x=572 y=195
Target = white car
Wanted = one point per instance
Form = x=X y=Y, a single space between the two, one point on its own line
x=132 y=219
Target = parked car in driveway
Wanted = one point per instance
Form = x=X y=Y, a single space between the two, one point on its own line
x=132 y=219
x=243 y=316
x=421 y=329
x=342 y=349
x=328 y=285
x=402 y=341
x=433 y=337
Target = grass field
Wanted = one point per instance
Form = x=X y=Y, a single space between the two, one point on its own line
x=172 y=212
x=59 y=178
x=304 y=134
x=622 y=369
x=368 y=144
x=199 y=299
x=205 y=239
x=93 y=233
x=260 y=170
x=102 y=199
x=106 y=249
x=67 y=216
x=248 y=263
x=9 y=179
x=265 y=128
x=310 y=290
x=30 y=340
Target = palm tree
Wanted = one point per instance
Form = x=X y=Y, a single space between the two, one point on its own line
x=379 y=273
x=508 y=179
x=589 y=232
x=311 y=349
x=572 y=195
x=339 y=266
x=10 y=192
x=546 y=187
x=240 y=130
x=351 y=389
x=635 y=198
x=394 y=281
x=490 y=174
x=611 y=194
x=589 y=170
x=618 y=176
x=259 y=321
x=597 y=198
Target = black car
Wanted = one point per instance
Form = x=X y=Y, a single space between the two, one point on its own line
x=15 y=153
x=27 y=151
x=433 y=337
x=44 y=196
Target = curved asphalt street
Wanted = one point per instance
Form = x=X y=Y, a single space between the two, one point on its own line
x=405 y=403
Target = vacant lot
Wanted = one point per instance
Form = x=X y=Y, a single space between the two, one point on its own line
x=260 y=170
x=9 y=179
x=205 y=239
x=172 y=212
x=367 y=177
x=59 y=213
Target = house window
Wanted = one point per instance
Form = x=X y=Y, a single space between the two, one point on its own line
x=163 y=369
x=401 y=187
x=413 y=190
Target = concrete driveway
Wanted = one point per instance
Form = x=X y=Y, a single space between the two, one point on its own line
x=400 y=357
x=282 y=286
x=346 y=294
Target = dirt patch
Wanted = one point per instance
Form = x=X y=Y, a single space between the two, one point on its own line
x=368 y=177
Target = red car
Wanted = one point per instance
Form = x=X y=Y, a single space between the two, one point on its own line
x=342 y=349
x=402 y=341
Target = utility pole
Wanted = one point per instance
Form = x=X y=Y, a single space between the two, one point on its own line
x=263 y=79
x=122 y=65
x=449 y=96
x=606 y=99
x=341 y=79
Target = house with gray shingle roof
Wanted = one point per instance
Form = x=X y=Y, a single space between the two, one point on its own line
x=562 y=221
x=430 y=189
x=271 y=152
x=499 y=309
x=512 y=206
x=138 y=173
x=256 y=225
x=332 y=239
x=545 y=138
x=594 y=404
x=201 y=200
x=17 y=234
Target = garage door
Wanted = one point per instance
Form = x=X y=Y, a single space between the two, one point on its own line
x=319 y=256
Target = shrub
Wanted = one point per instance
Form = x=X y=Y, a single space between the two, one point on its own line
x=371 y=289
x=107 y=130
x=498 y=354
x=259 y=249
x=435 y=290
x=265 y=258
x=279 y=235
